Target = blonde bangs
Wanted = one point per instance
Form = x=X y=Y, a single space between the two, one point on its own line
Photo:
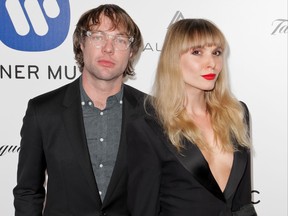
x=199 y=33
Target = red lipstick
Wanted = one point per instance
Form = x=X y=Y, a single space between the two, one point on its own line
x=210 y=76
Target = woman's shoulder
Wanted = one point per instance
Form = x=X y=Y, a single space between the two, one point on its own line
x=245 y=112
x=244 y=106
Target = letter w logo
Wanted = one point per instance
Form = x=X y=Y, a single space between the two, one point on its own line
x=34 y=25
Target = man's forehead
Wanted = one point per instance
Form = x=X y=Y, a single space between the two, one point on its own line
x=104 y=23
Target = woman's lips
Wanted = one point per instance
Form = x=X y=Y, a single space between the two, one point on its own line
x=210 y=76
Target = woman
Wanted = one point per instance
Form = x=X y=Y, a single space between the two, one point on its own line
x=190 y=155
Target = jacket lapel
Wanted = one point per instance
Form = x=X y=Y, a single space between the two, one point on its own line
x=74 y=125
x=130 y=103
x=193 y=161
x=238 y=169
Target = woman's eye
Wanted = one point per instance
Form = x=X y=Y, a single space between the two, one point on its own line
x=196 y=52
x=217 y=53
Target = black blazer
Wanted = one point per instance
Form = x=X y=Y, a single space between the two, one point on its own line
x=53 y=138
x=164 y=182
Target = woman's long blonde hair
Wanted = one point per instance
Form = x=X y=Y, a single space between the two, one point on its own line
x=227 y=113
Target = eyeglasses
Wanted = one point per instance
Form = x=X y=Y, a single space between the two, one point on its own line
x=99 y=39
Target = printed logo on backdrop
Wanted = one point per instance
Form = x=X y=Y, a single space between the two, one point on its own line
x=280 y=26
x=150 y=46
x=178 y=16
x=255 y=193
x=5 y=149
x=34 y=25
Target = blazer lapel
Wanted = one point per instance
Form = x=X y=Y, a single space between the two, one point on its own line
x=238 y=169
x=130 y=102
x=193 y=161
x=74 y=124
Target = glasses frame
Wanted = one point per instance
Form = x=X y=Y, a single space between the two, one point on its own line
x=111 y=37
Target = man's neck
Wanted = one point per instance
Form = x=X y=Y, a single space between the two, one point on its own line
x=99 y=90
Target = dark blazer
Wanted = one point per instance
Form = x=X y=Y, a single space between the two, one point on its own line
x=164 y=182
x=53 y=138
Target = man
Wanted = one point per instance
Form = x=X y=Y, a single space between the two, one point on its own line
x=76 y=134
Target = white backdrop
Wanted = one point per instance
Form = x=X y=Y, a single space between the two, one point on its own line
x=256 y=32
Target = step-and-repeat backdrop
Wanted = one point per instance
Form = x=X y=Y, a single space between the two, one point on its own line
x=36 y=56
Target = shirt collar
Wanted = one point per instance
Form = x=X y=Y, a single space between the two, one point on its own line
x=86 y=100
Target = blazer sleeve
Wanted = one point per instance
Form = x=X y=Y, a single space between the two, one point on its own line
x=246 y=116
x=144 y=170
x=29 y=192
x=242 y=204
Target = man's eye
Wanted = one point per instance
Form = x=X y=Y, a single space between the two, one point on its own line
x=121 y=40
x=98 y=37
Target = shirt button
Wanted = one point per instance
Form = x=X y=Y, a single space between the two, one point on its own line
x=82 y=103
x=120 y=101
x=90 y=103
x=101 y=113
x=101 y=139
x=101 y=165
x=100 y=192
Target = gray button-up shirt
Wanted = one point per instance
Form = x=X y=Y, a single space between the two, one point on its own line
x=103 y=131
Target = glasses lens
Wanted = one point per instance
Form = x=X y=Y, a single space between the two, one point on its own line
x=121 y=42
x=99 y=39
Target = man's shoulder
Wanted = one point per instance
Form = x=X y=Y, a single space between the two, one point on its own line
x=131 y=92
x=55 y=94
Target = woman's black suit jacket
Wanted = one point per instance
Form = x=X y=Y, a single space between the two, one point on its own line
x=164 y=182
x=53 y=138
